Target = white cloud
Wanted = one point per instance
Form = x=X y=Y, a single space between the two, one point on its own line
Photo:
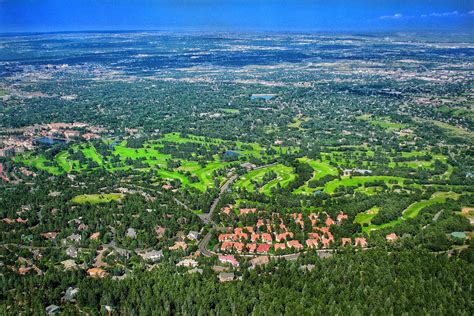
x=396 y=16
x=452 y=13
x=471 y=12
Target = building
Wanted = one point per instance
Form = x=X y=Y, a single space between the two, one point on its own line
x=131 y=233
x=346 y=241
x=193 y=235
x=52 y=309
x=71 y=252
x=69 y=295
x=360 y=242
x=263 y=248
x=69 y=264
x=229 y=259
x=195 y=270
x=154 y=255
x=226 y=276
x=295 y=244
x=97 y=273
x=187 y=263
x=391 y=237
x=259 y=261
x=179 y=245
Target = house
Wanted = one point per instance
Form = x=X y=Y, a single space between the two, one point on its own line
x=167 y=186
x=359 y=241
x=341 y=216
x=225 y=237
x=195 y=270
x=326 y=242
x=21 y=220
x=52 y=309
x=313 y=236
x=248 y=165
x=153 y=255
x=391 y=237
x=312 y=243
x=179 y=245
x=263 y=248
x=71 y=252
x=329 y=221
x=245 y=211
x=97 y=273
x=229 y=259
x=279 y=246
x=251 y=247
x=346 y=241
x=159 y=231
x=226 y=276
x=227 y=246
x=131 y=233
x=70 y=293
x=74 y=238
x=254 y=237
x=69 y=264
x=263 y=260
x=193 y=235
x=49 y=235
x=238 y=246
x=294 y=244
x=226 y=210
x=187 y=263
x=283 y=236
x=95 y=236
x=267 y=238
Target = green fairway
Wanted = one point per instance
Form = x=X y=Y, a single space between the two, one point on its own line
x=284 y=176
x=414 y=209
x=321 y=169
x=366 y=217
x=96 y=198
x=331 y=186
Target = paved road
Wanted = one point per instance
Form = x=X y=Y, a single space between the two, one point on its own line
x=206 y=218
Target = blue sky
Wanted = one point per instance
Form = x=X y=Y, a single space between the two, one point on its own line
x=237 y=15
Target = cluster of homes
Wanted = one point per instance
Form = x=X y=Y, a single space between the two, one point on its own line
x=273 y=234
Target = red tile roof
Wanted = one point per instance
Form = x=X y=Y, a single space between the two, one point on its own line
x=263 y=248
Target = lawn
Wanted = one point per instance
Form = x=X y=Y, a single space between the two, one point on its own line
x=331 y=186
x=321 y=169
x=414 y=209
x=284 y=176
x=96 y=198
x=366 y=217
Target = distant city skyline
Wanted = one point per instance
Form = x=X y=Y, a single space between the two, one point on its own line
x=237 y=15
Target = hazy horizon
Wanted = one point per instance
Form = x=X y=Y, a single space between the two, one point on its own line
x=26 y=16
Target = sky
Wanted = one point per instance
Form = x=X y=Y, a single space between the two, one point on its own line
x=238 y=15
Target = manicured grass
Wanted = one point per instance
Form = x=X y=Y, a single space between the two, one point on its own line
x=414 y=209
x=165 y=174
x=297 y=122
x=284 y=176
x=96 y=198
x=321 y=169
x=331 y=186
x=366 y=217
x=230 y=111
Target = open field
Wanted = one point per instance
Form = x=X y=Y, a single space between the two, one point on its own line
x=321 y=169
x=366 y=217
x=414 y=209
x=331 y=186
x=284 y=176
x=96 y=198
